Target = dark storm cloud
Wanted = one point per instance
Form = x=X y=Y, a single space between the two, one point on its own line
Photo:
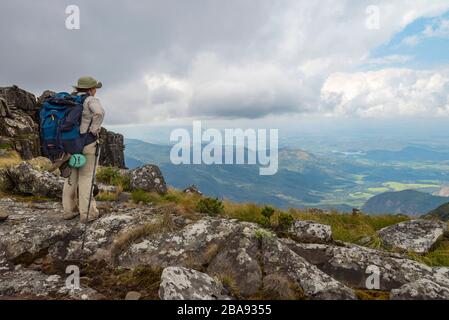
x=118 y=40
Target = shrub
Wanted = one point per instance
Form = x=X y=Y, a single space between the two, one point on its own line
x=210 y=206
x=141 y=196
x=107 y=175
x=285 y=220
x=263 y=234
x=112 y=176
x=267 y=212
x=123 y=181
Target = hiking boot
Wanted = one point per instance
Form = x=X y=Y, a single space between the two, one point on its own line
x=59 y=162
x=92 y=217
x=70 y=215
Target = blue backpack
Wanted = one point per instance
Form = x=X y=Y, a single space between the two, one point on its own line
x=60 y=120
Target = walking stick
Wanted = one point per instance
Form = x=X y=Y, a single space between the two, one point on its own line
x=97 y=153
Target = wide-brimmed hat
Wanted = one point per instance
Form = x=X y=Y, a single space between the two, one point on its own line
x=88 y=83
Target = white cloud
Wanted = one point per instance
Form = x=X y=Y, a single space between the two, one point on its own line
x=171 y=59
x=388 y=93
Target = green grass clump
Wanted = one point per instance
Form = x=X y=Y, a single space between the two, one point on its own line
x=112 y=176
x=350 y=228
x=285 y=220
x=268 y=212
x=5 y=146
x=11 y=158
x=210 y=206
x=140 y=196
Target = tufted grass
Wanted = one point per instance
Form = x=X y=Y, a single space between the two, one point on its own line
x=345 y=227
x=438 y=256
x=350 y=227
x=11 y=158
x=112 y=176
x=109 y=196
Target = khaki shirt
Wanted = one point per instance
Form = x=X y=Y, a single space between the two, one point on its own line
x=93 y=115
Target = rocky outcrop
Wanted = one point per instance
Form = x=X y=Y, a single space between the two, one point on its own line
x=19 y=99
x=186 y=284
x=18 y=121
x=112 y=151
x=27 y=180
x=351 y=264
x=202 y=257
x=19 y=127
x=310 y=232
x=422 y=289
x=36 y=285
x=416 y=235
x=148 y=178
x=234 y=250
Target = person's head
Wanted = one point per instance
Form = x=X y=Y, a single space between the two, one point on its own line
x=88 y=85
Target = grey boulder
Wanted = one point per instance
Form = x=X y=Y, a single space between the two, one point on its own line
x=179 y=283
x=310 y=232
x=423 y=289
x=417 y=235
x=148 y=178
x=26 y=179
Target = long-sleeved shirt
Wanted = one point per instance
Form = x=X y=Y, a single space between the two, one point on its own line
x=93 y=115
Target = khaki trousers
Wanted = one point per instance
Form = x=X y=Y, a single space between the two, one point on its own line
x=77 y=187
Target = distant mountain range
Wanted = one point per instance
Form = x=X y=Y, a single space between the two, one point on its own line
x=411 y=153
x=298 y=182
x=307 y=180
x=408 y=202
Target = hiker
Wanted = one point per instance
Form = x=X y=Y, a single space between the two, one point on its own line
x=78 y=185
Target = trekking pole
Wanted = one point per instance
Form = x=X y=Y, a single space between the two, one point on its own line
x=97 y=153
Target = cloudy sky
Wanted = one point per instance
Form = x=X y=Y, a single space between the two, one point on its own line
x=163 y=61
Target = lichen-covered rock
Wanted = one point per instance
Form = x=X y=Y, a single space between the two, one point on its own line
x=33 y=284
x=350 y=264
x=106 y=235
x=239 y=261
x=310 y=232
x=423 y=289
x=417 y=235
x=278 y=259
x=148 y=178
x=179 y=283
x=22 y=132
x=195 y=245
x=18 y=121
x=31 y=230
x=19 y=99
x=27 y=180
x=231 y=249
